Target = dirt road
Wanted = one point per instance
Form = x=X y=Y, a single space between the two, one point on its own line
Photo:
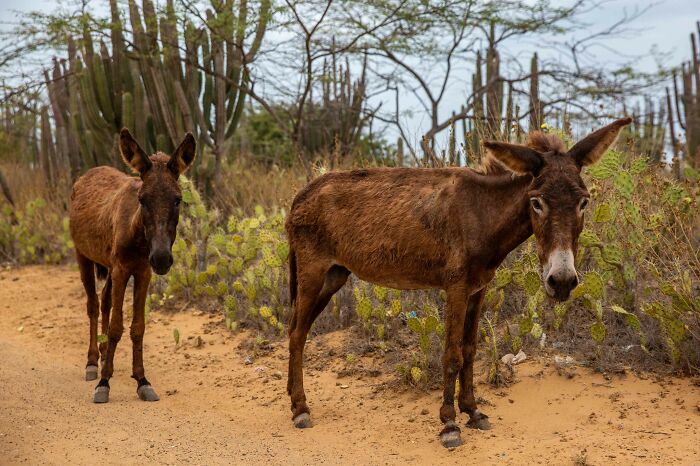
x=215 y=409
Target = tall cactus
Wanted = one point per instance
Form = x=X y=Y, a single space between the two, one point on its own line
x=148 y=83
x=337 y=118
x=536 y=111
x=494 y=92
x=687 y=104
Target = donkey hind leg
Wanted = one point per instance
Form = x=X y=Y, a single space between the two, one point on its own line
x=466 y=400
x=105 y=306
x=138 y=326
x=116 y=327
x=452 y=362
x=87 y=275
x=315 y=289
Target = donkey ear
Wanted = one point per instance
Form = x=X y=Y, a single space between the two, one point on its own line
x=591 y=148
x=517 y=158
x=183 y=156
x=132 y=153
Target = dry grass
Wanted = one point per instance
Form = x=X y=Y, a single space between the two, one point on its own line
x=245 y=185
x=27 y=184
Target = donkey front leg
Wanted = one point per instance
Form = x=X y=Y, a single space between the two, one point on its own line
x=466 y=401
x=120 y=277
x=138 y=327
x=452 y=362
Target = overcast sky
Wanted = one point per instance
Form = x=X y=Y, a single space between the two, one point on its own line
x=665 y=27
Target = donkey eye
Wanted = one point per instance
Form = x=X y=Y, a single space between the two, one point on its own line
x=177 y=201
x=536 y=204
x=584 y=203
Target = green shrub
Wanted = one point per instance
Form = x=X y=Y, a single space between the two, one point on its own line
x=236 y=264
x=35 y=234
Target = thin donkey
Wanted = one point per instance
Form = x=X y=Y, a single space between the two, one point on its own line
x=446 y=228
x=124 y=226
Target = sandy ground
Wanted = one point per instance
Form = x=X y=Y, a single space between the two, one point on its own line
x=215 y=409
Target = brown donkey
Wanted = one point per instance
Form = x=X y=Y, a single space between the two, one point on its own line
x=444 y=228
x=123 y=226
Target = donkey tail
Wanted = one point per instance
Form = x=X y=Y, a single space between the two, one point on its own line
x=292 y=277
x=101 y=271
x=292 y=290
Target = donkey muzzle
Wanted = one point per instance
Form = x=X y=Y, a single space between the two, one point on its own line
x=560 y=276
x=160 y=261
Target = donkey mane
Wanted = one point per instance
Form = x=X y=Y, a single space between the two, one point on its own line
x=541 y=142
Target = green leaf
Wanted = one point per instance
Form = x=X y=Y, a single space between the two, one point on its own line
x=672 y=194
x=431 y=323
x=395 y=308
x=588 y=238
x=364 y=308
x=380 y=292
x=265 y=312
x=415 y=325
x=602 y=213
x=101 y=338
x=536 y=331
x=598 y=332
x=416 y=374
x=176 y=336
x=531 y=283
x=612 y=254
x=618 y=309
x=559 y=313
x=503 y=277
x=639 y=165
x=668 y=289
x=424 y=343
x=591 y=285
x=525 y=325
x=633 y=214
x=624 y=184
x=607 y=167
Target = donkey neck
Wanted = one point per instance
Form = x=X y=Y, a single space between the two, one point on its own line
x=506 y=223
x=137 y=233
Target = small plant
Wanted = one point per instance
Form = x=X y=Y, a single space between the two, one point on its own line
x=581 y=458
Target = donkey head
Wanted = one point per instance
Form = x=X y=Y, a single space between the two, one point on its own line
x=557 y=196
x=159 y=195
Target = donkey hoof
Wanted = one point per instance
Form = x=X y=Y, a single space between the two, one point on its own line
x=302 y=421
x=479 y=421
x=101 y=395
x=90 y=373
x=450 y=435
x=481 y=424
x=146 y=393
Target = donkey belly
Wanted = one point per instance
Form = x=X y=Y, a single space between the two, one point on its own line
x=411 y=272
x=398 y=283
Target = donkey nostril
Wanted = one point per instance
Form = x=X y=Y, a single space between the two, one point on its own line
x=551 y=281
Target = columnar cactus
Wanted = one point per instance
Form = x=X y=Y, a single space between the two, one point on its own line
x=142 y=83
x=536 y=112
